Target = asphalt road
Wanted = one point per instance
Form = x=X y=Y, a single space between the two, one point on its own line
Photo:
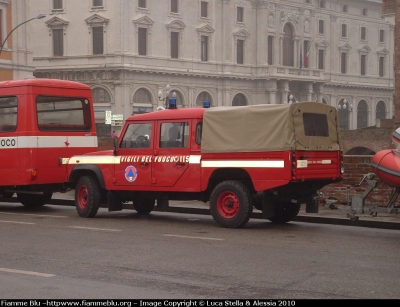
x=53 y=253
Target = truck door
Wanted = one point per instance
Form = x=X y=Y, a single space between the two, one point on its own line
x=135 y=154
x=171 y=161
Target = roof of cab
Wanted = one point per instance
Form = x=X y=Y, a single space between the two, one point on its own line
x=172 y=114
x=43 y=82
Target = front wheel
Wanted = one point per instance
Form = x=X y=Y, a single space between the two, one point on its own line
x=34 y=200
x=284 y=211
x=231 y=204
x=87 y=196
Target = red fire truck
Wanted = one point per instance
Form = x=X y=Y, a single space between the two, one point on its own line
x=42 y=120
x=269 y=157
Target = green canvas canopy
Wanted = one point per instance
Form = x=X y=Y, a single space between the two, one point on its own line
x=271 y=127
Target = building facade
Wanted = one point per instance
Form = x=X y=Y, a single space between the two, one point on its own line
x=16 y=55
x=133 y=53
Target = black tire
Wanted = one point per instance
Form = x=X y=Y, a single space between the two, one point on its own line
x=231 y=204
x=285 y=211
x=144 y=206
x=87 y=196
x=34 y=200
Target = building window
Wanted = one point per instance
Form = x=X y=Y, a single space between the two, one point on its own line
x=98 y=40
x=364 y=12
x=142 y=3
x=204 y=48
x=363 y=33
x=174 y=45
x=381 y=36
x=345 y=8
x=344 y=30
x=203 y=96
x=343 y=62
x=381 y=66
x=270 y=50
x=288 y=45
x=343 y=114
x=362 y=114
x=58 y=42
x=97 y=2
x=307 y=47
x=1 y=26
x=240 y=11
x=204 y=9
x=308 y=1
x=322 y=4
x=142 y=41
x=142 y=96
x=239 y=100
x=320 y=59
x=321 y=27
x=57 y=5
x=381 y=110
x=240 y=51
x=174 y=6
x=363 y=64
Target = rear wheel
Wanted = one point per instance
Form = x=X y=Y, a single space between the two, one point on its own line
x=34 y=200
x=87 y=196
x=231 y=204
x=284 y=211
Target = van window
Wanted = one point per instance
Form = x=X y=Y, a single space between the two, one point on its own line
x=315 y=124
x=63 y=113
x=137 y=136
x=8 y=114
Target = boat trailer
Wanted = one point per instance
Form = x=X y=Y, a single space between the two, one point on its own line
x=357 y=206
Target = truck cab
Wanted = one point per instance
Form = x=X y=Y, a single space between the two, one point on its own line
x=268 y=157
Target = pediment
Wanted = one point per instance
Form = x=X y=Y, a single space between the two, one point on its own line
x=176 y=24
x=364 y=48
x=205 y=29
x=383 y=51
x=95 y=18
x=345 y=46
x=322 y=43
x=144 y=20
x=242 y=33
x=56 y=21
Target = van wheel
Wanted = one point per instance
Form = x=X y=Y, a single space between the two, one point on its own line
x=285 y=211
x=144 y=206
x=34 y=200
x=231 y=204
x=87 y=196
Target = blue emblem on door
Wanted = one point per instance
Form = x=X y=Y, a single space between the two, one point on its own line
x=131 y=173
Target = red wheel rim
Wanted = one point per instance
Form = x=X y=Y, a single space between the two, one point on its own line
x=228 y=205
x=83 y=198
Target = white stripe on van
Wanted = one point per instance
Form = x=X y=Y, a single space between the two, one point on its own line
x=48 y=142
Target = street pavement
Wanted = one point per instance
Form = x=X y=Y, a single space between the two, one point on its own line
x=335 y=214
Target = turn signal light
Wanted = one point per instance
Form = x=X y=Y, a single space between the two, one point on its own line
x=33 y=174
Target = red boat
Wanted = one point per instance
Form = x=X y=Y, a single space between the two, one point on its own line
x=386 y=165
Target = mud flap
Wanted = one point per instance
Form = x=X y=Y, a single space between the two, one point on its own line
x=114 y=201
x=267 y=205
x=312 y=203
x=162 y=202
